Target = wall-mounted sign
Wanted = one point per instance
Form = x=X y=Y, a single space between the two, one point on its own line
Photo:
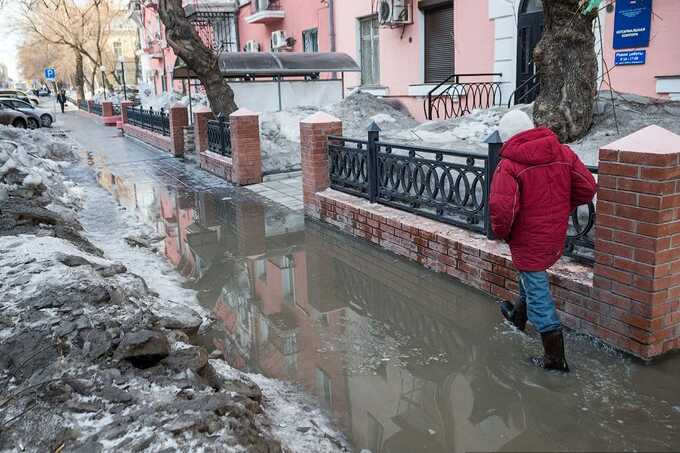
x=630 y=57
x=632 y=23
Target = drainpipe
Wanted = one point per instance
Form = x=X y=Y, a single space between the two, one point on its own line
x=331 y=30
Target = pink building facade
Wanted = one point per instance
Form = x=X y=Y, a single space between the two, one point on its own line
x=407 y=47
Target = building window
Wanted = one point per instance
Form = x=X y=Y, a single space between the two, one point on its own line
x=310 y=40
x=369 y=44
x=439 y=46
x=117 y=49
x=324 y=387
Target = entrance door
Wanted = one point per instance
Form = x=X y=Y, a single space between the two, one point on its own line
x=370 y=60
x=529 y=32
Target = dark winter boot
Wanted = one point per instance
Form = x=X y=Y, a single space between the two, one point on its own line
x=516 y=314
x=553 y=357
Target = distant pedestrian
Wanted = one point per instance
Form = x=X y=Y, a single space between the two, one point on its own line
x=61 y=99
x=537 y=185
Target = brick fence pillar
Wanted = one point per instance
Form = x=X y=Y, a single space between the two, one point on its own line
x=123 y=110
x=90 y=103
x=179 y=119
x=246 y=152
x=107 y=109
x=637 y=270
x=201 y=117
x=314 y=132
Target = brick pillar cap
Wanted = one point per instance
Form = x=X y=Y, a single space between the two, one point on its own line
x=243 y=112
x=203 y=109
x=650 y=140
x=126 y=102
x=320 y=118
x=177 y=105
x=107 y=102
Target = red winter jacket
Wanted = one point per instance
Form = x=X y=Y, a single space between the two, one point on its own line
x=536 y=186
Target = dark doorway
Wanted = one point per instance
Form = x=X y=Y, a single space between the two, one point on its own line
x=529 y=32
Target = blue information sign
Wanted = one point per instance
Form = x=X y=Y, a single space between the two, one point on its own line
x=630 y=57
x=50 y=74
x=632 y=23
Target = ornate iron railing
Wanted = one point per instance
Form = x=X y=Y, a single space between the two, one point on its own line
x=526 y=92
x=445 y=185
x=448 y=186
x=116 y=109
x=82 y=105
x=580 y=243
x=453 y=98
x=219 y=136
x=97 y=108
x=154 y=121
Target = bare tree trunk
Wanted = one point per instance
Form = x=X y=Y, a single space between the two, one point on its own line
x=567 y=66
x=79 y=76
x=184 y=40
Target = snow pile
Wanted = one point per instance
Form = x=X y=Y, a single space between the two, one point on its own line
x=167 y=100
x=280 y=131
x=97 y=359
x=632 y=113
x=31 y=163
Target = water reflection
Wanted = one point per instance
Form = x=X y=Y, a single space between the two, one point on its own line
x=403 y=359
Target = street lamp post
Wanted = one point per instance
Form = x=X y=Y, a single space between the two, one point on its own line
x=103 y=70
x=122 y=74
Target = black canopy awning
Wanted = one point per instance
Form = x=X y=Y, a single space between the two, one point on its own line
x=272 y=64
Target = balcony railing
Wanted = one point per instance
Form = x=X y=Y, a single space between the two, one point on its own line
x=444 y=185
x=453 y=98
x=154 y=121
x=219 y=136
x=265 y=11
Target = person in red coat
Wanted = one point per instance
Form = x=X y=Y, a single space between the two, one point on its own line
x=537 y=184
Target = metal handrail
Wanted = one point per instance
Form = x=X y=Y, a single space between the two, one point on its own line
x=461 y=98
x=449 y=186
x=533 y=79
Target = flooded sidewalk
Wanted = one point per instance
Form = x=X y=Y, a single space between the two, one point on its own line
x=403 y=359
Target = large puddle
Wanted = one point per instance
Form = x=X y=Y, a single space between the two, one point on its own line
x=403 y=359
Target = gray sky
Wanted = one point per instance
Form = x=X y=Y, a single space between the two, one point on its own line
x=9 y=41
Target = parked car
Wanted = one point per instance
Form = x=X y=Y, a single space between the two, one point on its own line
x=44 y=92
x=40 y=117
x=12 y=117
x=20 y=95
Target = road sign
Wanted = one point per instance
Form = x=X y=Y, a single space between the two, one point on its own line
x=50 y=74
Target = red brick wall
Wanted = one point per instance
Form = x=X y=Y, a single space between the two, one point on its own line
x=631 y=297
x=637 y=269
x=157 y=140
x=246 y=152
x=201 y=117
x=216 y=164
x=179 y=119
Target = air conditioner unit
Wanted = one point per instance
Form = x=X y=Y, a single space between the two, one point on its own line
x=395 y=12
x=252 y=46
x=279 y=39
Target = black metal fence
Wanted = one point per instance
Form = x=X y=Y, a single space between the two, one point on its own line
x=97 y=108
x=445 y=185
x=219 y=136
x=116 y=109
x=453 y=98
x=82 y=105
x=154 y=121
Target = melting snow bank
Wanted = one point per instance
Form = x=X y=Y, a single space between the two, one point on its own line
x=91 y=359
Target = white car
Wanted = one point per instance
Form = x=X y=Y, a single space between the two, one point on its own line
x=42 y=117
x=20 y=95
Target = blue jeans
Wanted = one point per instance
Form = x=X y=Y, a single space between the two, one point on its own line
x=534 y=289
